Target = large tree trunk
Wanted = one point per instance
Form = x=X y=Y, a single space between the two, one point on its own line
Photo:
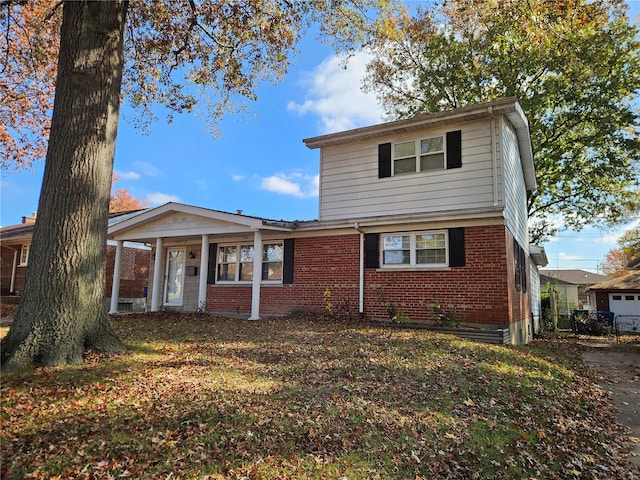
x=62 y=312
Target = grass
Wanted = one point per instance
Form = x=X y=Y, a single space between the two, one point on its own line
x=209 y=398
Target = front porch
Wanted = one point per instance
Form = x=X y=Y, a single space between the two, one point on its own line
x=186 y=242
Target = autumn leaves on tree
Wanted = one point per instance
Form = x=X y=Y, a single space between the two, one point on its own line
x=170 y=53
x=574 y=67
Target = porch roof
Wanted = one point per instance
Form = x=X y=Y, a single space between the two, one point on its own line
x=180 y=221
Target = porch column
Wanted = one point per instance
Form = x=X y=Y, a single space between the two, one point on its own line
x=257 y=275
x=204 y=265
x=156 y=293
x=14 y=269
x=115 y=284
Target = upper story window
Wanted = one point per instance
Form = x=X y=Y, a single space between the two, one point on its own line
x=415 y=249
x=24 y=254
x=235 y=262
x=429 y=156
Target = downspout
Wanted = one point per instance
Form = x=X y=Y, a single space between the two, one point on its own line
x=361 y=280
x=494 y=161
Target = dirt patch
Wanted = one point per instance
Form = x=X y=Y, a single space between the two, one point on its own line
x=618 y=367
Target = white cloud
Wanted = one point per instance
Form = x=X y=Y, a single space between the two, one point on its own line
x=297 y=184
x=237 y=178
x=334 y=94
x=128 y=175
x=147 y=168
x=158 y=198
x=567 y=257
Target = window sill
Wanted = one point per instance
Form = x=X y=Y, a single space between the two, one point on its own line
x=412 y=269
x=248 y=284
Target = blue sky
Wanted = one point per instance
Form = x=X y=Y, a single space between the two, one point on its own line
x=259 y=164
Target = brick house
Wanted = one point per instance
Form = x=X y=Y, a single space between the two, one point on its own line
x=432 y=209
x=15 y=243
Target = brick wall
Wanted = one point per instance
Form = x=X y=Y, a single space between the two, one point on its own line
x=6 y=265
x=477 y=291
x=133 y=279
x=482 y=292
x=319 y=263
x=134 y=271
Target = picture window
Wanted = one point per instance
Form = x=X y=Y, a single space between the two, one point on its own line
x=415 y=249
x=235 y=263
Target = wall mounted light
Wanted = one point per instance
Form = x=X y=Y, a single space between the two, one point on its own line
x=192 y=255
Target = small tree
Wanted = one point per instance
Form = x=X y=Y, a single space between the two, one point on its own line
x=121 y=200
x=613 y=265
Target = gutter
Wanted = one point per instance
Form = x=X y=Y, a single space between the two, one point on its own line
x=494 y=161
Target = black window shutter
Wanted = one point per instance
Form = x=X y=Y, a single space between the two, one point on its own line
x=454 y=149
x=516 y=264
x=384 y=160
x=371 y=255
x=287 y=267
x=456 y=247
x=211 y=266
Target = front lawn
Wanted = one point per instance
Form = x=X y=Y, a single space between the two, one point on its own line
x=202 y=397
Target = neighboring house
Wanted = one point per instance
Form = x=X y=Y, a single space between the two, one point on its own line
x=571 y=287
x=432 y=209
x=622 y=297
x=15 y=243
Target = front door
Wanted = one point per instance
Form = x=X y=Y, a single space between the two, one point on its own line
x=174 y=283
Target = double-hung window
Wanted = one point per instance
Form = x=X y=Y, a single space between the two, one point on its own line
x=430 y=156
x=272 y=261
x=235 y=263
x=24 y=254
x=421 y=249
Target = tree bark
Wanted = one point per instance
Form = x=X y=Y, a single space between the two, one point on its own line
x=62 y=312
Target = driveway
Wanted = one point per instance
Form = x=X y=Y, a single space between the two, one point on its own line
x=619 y=368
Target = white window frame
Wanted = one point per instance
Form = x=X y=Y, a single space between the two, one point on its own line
x=413 y=250
x=24 y=255
x=238 y=262
x=418 y=155
x=266 y=261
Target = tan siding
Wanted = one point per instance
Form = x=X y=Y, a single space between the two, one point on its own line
x=181 y=224
x=350 y=187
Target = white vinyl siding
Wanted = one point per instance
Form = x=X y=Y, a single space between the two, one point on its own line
x=515 y=190
x=350 y=187
x=536 y=303
x=184 y=224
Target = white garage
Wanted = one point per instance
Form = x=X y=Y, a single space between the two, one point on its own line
x=626 y=307
x=622 y=297
x=624 y=303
